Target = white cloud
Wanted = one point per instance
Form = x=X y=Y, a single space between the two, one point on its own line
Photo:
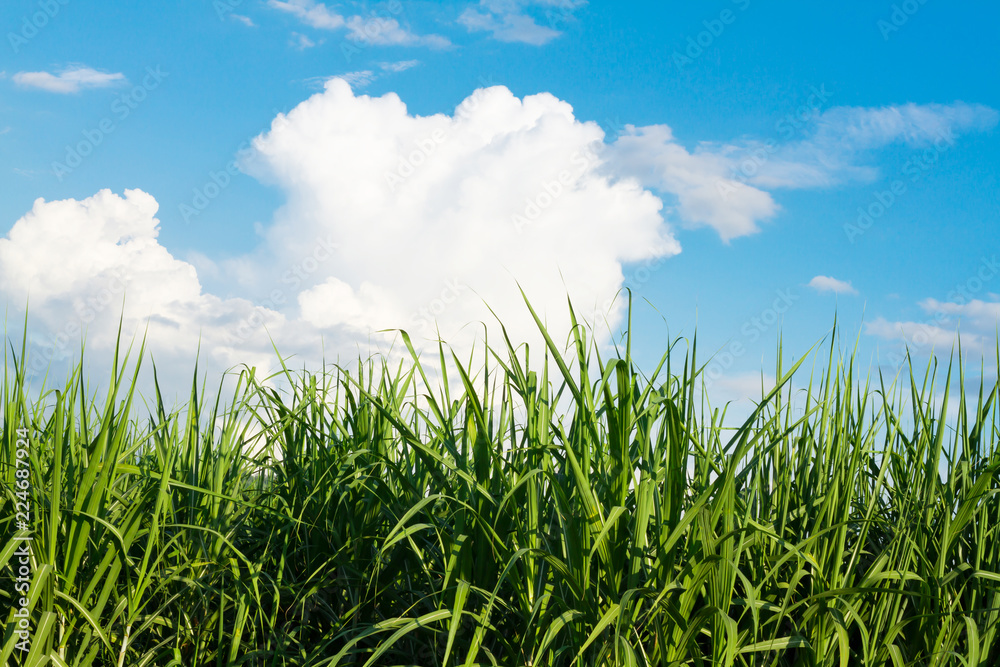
x=827 y=284
x=388 y=32
x=983 y=316
x=923 y=336
x=392 y=221
x=400 y=66
x=245 y=20
x=706 y=195
x=739 y=393
x=509 y=28
x=726 y=185
x=69 y=80
x=436 y=214
x=76 y=262
x=358 y=79
x=510 y=20
x=748 y=387
x=364 y=78
x=376 y=30
x=301 y=42
x=834 y=144
x=859 y=128
x=311 y=13
x=963 y=317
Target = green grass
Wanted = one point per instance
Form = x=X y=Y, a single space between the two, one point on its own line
x=525 y=512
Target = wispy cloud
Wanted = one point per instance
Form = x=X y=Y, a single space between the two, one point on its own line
x=375 y=30
x=301 y=42
x=727 y=186
x=311 y=13
x=836 y=143
x=72 y=79
x=828 y=284
x=979 y=314
x=923 y=336
x=400 y=66
x=511 y=21
x=863 y=128
x=381 y=31
x=245 y=20
x=364 y=78
x=358 y=79
x=971 y=307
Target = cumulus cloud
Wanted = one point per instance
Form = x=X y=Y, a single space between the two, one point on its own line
x=511 y=20
x=69 y=80
x=435 y=215
x=76 y=263
x=828 y=284
x=392 y=220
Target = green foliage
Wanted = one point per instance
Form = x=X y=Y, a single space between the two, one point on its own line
x=513 y=515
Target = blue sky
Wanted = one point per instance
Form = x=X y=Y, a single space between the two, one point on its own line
x=720 y=158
